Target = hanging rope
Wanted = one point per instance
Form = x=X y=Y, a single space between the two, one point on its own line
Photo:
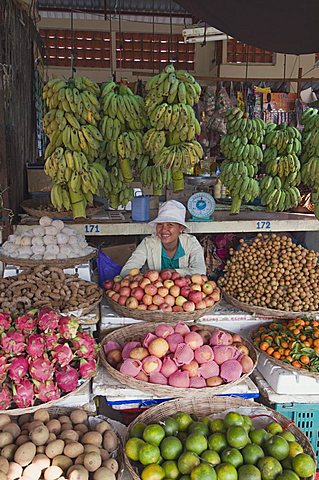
x=153 y=39
x=121 y=40
x=170 y=32
x=111 y=44
x=72 y=46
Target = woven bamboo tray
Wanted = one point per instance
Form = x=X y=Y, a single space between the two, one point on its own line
x=266 y=312
x=212 y=405
x=158 y=315
x=41 y=208
x=53 y=403
x=134 y=332
x=87 y=310
x=66 y=263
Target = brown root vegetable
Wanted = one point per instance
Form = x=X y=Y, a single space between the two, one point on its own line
x=21 y=439
x=42 y=461
x=54 y=448
x=81 y=428
x=62 y=461
x=23 y=419
x=52 y=437
x=77 y=472
x=41 y=449
x=64 y=419
x=95 y=438
x=54 y=426
x=104 y=473
x=69 y=435
x=4 y=420
x=102 y=427
x=110 y=441
x=73 y=449
x=8 y=451
x=12 y=428
x=33 y=471
x=40 y=435
x=5 y=439
x=25 y=454
x=42 y=415
x=89 y=447
x=15 y=471
x=4 y=464
x=105 y=455
x=53 y=473
x=92 y=461
x=66 y=426
x=78 y=416
x=112 y=464
x=79 y=460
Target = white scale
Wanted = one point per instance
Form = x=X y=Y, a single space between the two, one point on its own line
x=201 y=205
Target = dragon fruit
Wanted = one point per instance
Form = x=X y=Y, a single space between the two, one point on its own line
x=67 y=379
x=13 y=342
x=36 y=345
x=62 y=354
x=5 y=397
x=23 y=394
x=87 y=368
x=18 y=368
x=68 y=327
x=5 y=321
x=41 y=369
x=4 y=365
x=47 y=391
x=84 y=344
x=26 y=323
x=48 y=319
x=51 y=340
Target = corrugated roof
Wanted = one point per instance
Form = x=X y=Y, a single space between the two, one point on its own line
x=136 y=6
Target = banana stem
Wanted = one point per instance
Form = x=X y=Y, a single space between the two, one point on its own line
x=178 y=181
x=157 y=191
x=77 y=203
x=114 y=200
x=126 y=170
x=235 y=205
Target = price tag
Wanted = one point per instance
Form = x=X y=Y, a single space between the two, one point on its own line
x=263 y=225
x=92 y=228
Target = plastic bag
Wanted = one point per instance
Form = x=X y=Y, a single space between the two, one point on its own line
x=107 y=269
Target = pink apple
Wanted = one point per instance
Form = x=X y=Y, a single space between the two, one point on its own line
x=195 y=296
x=152 y=275
x=207 y=288
x=144 y=282
x=215 y=295
x=142 y=307
x=134 y=271
x=158 y=284
x=152 y=307
x=196 y=287
x=116 y=297
x=116 y=286
x=181 y=282
x=131 y=302
x=168 y=283
x=175 y=275
x=211 y=282
x=180 y=300
x=125 y=283
x=188 y=306
x=170 y=300
x=197 y=278
x=110 y=293
x=162 y=291
x=158 y=300
x=185 y=291
x=177 y=308
x=165 y=274
x=118 y=278
x=209 y=302
x=201 y=305
x=138 y=293
x=138 y=277
x=166 y=308
x=125 y=291
x=204 y=278
x=134 y=284
x=175 y=291
x=147 y=299
x=150 y=290
x=108 y=284
x=122 y=299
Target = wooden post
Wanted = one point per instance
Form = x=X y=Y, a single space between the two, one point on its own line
x=299 y=81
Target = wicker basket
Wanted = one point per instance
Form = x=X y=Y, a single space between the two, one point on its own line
x=133 y=332
x=213 y=405
x=266 y=312
x=40 y=208
x=158 y=315
x=87 y=310
x=66 y=263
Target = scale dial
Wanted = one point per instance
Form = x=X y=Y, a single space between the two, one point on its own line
x=201 y=205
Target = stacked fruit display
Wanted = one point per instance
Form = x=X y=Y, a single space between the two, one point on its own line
x=269 y=272
x=182 y=356
x=71 y=125
x=43 y=355
x=281 y=157
x=170 y=141
x=310 y=158
x=295 y=342
x=44 y=446
x=121 y=126
x=181 y=446
x=166 y=290
x=242 y=150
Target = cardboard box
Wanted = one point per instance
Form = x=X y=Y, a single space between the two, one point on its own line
x=38 y=181
x=120 y=253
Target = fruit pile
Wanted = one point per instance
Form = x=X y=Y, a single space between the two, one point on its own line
x=295 y=342
x=42 y=356
x=166 y=290
x=44 y=446
x=309 y=158
x=182 y=356
x=71 y=125
x=279 y=190
x=229 y=448
x=273 y=272
x=242 y=150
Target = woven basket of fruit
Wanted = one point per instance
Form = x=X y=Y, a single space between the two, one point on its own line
x=178 y=360
x=39 y=208
x=218 y=437
x=162 y=296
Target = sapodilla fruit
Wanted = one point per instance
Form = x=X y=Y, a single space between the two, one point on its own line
x=158 y=378
x=231 y=370
x=204 y=354
x=197 y=382
x=173 y=340
x=168 y=367
x=179 y=379
x=164 y=330
x=131 y=367
x=182 y=328
x=158 y=347
x=209 y=369
x=194 y=340
x=183 y=354
x=128 y=347
x=151 y=364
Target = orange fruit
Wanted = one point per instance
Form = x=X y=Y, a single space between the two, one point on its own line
x=199 y=427
x=288 y=436
x=137 y=430
x=211 y=457
x=277 y=447
x=170 y=426
x=274 y=428
x=187 y=461
x=252 y=453
x=287 y=475
x=258 y=435
x=233 y=456
x=294 y=449
x=183 y=420
x=149 y=454
x=226 y=471
x=217 y=441
x=303 y=465
x=153 y=472
x=248 y=472
x=233 y=419
x=217 y=425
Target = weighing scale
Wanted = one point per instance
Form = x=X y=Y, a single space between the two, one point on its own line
x=201 y=205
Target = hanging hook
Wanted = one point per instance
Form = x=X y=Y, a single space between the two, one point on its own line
x=205 y=36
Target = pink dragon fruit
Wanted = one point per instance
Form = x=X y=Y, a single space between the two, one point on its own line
x=62 y=354
x=47 y=391
x=13 y=342
x=67 y=379
x=68 y=327
x=23 y=394
x=87 y=368
x=26 y=323
x=36 y=345
x=5 y=397
x=84 y=344
x=48 y=319
x=18 y=368
x=51 y=340
x=4 y=365
x=5 y=321
x=41 y=369
x=128 y=347
x=110 y=345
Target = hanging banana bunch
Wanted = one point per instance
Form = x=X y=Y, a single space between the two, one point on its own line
x=310 y=154
x=155 y=175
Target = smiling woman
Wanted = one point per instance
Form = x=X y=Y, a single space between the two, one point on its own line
x=170 y=247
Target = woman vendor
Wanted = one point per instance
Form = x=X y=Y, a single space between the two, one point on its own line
x=170 y=247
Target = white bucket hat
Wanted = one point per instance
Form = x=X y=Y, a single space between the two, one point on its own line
x=171 y=212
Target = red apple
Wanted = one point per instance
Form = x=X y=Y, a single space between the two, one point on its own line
x=118 y=278
x=152 y=307
x=175 y=275
x=166 y=308
x=131 y=302
x=158 y=284
x=175 y=290
x=152 y=275
x=142 y=307
x=138 y=277
x=215 y=295
x=168 y=283
x=125 y=282
x=180 y=300
x=162 y=291
x=207 y=288
x=110 y=293
x=125 y=292
x=170 y=300
x=108 y=284
x=116 y=297
x=134 y=284
x=185 y=291
x=195 y=296
x=144 y=282
x=181 y=282
x=158 y=300
x=166 y=274
x=209 y=302
x=195 y=286
x=147 y=299
x=201 y=305
x=138 y=293
x=116 y=286
x=122 y=299
x=188 y=306
x=211 y=282
x=197 y=278
x=134 y=272
x=177 y=308
x=150 y=290
x=204 y=278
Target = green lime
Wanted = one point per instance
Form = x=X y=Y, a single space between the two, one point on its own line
x=196 y=443
x=211 y=457
x=288 y=436
x=226 y=471
x=153 y=472
x=233 y=456
x=185 y=477
x=276 y=447
x=269 y=468
x=132 y=448
x=248 y=423
x=248 y=472
x=258 y=436
x=203 y=472
x=237 y=437
x=199 y=427
x=217 y=441
x=233 y=419
x=187 y=461
x=252 y=453
x=137 y=430
x=170 y=469
x=153 y=434
x=171 y=448
x=170 y=426
x=149 y=454
x=183 y=420
x=274 y=428
x=217 y=425
x=294 y=449
x=303 y=465
x=206 y=420
x=287 y=463
x=287 y=475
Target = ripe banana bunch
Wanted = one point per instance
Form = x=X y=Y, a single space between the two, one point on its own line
x=179 y=157
x=156 y=175
x=278 y=195
x=248 y=130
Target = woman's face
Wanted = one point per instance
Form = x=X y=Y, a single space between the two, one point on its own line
x=168 y=233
